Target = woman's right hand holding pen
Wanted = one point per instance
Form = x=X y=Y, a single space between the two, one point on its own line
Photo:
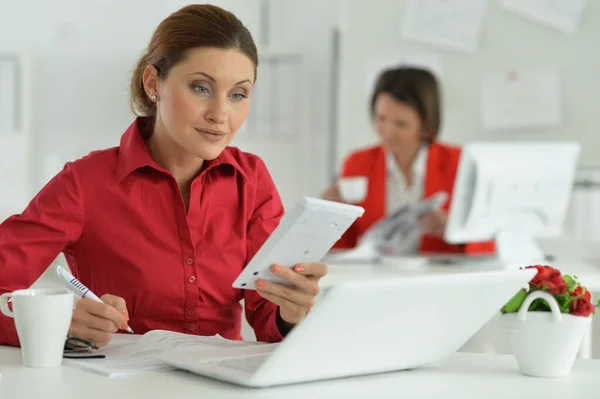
x=97 y=321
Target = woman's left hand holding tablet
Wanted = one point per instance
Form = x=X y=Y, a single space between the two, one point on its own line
x=296 y=300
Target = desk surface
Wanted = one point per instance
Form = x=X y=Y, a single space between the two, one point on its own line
x=463 y=376
x=589 y=274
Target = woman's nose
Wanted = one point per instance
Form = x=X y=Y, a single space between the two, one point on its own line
x=217 y=111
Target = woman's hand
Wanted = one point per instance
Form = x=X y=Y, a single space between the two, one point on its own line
x=332 y=194
x=434 y=223
x=96 y=321
x=294 y=302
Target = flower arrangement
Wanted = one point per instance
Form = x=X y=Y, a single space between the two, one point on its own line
x=571 y=296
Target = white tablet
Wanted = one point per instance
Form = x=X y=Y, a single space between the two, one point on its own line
x=304 y=235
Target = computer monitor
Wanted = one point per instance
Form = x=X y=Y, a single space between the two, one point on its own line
x=512 y=192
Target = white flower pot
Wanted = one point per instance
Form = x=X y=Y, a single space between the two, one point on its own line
x=545 y=343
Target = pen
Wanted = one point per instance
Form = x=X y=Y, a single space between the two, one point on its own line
x=77 y=287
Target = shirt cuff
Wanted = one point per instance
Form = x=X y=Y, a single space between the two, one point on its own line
x=271 y=331
x=283 y=326
x=8 y=332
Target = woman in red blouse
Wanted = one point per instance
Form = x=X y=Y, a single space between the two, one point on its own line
x=162 y=225
x=408 y=165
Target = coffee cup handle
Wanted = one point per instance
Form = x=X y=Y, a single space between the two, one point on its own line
x=4 y=304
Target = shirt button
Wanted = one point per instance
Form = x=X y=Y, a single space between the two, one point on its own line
x=189 y=261
x=191 y=312
x=192 y=279
x=191 y=327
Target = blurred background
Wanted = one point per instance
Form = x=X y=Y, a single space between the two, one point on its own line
x=510 y=70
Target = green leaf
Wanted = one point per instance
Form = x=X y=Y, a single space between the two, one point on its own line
x=515 y=302
x=539 y=305
x=565 y=306
x=572 y=282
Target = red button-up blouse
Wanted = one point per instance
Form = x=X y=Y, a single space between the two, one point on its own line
x=121 y=222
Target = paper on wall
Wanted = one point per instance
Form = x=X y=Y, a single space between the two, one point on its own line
x=454 y=24
x=277 y=100
x=521 y=99
x=377 y=64
x=563 y=15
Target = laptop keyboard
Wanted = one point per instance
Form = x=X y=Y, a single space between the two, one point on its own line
x=248 y=364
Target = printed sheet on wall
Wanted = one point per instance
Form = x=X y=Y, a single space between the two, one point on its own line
x=276 y=99
x=521 y=99
x=563 y=15
x=453 y=24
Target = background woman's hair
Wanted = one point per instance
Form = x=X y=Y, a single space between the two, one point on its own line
x=194 y=26
x=417 y=88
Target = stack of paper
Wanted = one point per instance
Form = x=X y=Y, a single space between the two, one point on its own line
x=123 y=357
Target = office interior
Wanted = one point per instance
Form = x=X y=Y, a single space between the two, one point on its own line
x=65 y=67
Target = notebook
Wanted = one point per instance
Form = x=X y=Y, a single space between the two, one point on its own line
x=128 y=354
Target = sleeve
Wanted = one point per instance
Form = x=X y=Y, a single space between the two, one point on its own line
x=260 y=313
x=485 y=247
x=348 y=240
x=30 y=241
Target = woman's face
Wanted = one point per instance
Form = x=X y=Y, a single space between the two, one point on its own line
x=397 y=123
x=204 y=100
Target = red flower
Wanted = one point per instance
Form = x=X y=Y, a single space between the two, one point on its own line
x=549 y=277
x=578 y=292
x=582 y=307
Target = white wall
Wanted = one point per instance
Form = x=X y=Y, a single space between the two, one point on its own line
x=371 y=28
x=82 y=54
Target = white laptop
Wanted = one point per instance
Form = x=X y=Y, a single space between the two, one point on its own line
x=368 y=326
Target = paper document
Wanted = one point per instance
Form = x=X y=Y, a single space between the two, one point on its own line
x=455 y=24
x=563 y=15
x=521 y=99
x=390 y=235
x=141 y=355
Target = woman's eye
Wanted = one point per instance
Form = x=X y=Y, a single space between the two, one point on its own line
x=238 y=96
x=200 y=89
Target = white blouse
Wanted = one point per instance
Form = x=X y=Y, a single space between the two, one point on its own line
x=399 y=194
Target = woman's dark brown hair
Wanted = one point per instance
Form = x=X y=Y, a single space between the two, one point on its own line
x=417 y=88
x=194 y=26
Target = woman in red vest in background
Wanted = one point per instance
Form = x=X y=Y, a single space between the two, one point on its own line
x=408 y=165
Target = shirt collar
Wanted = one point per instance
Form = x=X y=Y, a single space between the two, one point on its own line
x=418 y=167
x=134 y=154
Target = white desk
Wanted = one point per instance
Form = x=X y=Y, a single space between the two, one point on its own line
x=589 y=276
x=463 y=376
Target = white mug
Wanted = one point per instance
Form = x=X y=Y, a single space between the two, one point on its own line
x=353 y=189
x=42 y=317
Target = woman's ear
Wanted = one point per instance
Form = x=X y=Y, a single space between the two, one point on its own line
x=150 y=80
